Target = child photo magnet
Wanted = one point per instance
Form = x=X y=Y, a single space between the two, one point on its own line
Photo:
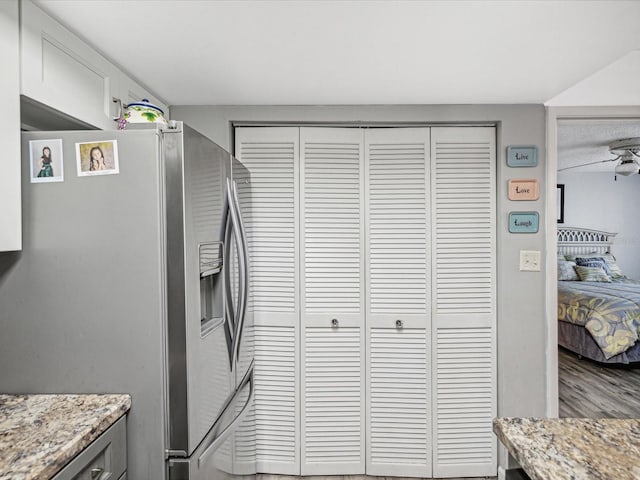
x=46 y=160
x=97 y=158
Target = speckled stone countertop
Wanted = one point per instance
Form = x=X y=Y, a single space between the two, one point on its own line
x=39 y=434
x=573 y=448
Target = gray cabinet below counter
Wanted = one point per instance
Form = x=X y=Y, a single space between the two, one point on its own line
x=105 y=458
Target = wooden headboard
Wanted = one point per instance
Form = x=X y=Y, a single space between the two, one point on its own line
x=575 y=240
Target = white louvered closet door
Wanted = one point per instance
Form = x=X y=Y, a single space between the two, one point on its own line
x=398 y=302
x=464 y=297
x=333 y=379
x=271 y=221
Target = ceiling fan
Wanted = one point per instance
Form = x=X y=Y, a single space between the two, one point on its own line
x=627 y=151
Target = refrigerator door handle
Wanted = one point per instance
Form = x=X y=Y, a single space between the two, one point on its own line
x=244 y=275
x=225 y=234
x=237 y=233
x=222 y=436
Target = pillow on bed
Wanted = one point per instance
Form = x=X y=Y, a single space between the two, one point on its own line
x=607 y=256
x=567 y=271
x=612 y=268
x=616 y=271
x=592 y=274
x=593 y=262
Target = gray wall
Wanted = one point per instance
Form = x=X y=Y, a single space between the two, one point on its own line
x=595 y=200
x=521 y=295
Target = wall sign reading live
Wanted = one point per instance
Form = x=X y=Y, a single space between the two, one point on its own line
x=522 y=156
x=524 y=189
x=523 y=222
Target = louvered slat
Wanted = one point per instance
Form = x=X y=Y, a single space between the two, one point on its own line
x=331 y=223
x=275 y=395
x=333 y=395
x=464 y=251
x=398 y=289
x=332 y=263
x=464 y=218
x=270 y=208
x=465 y=400
x=399 y=435
x=397 y=192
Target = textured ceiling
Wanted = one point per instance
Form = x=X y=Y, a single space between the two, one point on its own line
x=585 y=141
x=196 y=52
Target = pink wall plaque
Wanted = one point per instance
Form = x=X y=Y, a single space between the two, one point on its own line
x=524 y=189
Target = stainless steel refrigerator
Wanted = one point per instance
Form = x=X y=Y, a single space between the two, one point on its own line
x=134 y=278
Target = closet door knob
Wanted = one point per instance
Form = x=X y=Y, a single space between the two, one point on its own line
x=334 y=322
x=399 y=324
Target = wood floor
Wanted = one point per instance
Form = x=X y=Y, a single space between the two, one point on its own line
x=588 y=390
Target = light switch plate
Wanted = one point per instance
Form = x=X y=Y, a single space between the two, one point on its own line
x=529 y=260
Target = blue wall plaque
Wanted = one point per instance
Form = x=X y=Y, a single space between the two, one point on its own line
x=522 y=156
x=523 y=222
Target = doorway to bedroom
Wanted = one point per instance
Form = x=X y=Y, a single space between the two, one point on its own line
x=595 y=323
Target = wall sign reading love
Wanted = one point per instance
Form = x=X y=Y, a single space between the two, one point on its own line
x=524 y=189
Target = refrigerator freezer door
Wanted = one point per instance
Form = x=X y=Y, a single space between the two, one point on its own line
x=216 y=458
x=199 y=371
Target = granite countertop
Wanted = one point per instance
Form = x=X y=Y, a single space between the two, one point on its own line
x=39 y=434
x=573 y=448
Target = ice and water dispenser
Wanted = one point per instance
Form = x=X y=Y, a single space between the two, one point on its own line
x=211 y=286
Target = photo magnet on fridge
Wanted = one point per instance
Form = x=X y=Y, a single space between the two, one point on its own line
x=97 y=158
x=46 y=160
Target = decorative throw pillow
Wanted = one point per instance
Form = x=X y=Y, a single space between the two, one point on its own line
x=567 y=271
x=607 y=256
x=615 y=270
x=593 y=262
x=592 y=274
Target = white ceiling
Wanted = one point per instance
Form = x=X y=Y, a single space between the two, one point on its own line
x=355 y=52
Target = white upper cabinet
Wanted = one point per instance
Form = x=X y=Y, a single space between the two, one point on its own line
x=10 y=212
x=62 y=71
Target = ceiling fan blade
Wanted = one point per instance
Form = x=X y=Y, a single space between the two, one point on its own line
x=590 y=163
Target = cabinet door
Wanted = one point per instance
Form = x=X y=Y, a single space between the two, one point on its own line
x=271 y=221
x=464 y=296
x=10 y=201
x=63 y=72
x=398 y=302
x=332 y=261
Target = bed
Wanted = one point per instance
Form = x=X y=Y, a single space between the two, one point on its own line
x=598 y=307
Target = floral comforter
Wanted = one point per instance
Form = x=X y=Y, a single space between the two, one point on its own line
x=609 y=311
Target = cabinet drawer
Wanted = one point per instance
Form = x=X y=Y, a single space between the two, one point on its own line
x=105 y=458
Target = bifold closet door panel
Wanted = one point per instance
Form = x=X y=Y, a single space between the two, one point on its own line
x=464 y=296
x=398 y=233
x=270 y=206
x=332 y=301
